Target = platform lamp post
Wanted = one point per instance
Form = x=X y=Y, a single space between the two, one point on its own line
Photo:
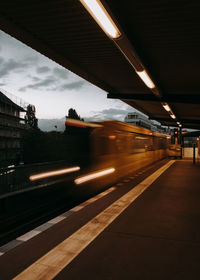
x=181 y=140
x=194 y=159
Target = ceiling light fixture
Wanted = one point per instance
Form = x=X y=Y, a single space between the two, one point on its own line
x=101 y=16
x=145 y=78
x=166 y=107
x=107 y=24
x=172 y=116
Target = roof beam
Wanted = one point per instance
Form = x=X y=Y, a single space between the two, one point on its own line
x=183 y=121
x=175 y=98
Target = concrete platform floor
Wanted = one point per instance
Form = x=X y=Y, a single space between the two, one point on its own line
x=155 y=236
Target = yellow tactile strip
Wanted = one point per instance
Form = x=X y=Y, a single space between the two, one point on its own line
x=48 y=266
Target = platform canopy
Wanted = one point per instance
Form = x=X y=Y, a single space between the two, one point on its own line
x=160 y=37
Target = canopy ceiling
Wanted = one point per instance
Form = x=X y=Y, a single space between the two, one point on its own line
x=163 y=33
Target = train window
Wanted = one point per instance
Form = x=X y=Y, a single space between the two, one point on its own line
x=160 y=143
x=122 y=142
x=103 y=145
x=139 y=143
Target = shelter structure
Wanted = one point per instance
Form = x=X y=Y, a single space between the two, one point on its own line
x=150 y=59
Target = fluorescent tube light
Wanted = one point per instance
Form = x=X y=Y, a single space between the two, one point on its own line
x=101 y=16
x=166 y=107
x=145 y=77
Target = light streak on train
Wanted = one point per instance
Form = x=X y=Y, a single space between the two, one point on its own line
x=53 y=173
x=94 y=175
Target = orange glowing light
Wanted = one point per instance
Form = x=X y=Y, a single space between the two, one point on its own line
x=77 y=123
x=94 y=175
x=112 y=137
x=53 y=173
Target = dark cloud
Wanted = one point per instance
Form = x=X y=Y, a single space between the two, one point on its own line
x=60 y=73
x=1 y=60
x=108 y=114
x=45 y=83
x=11 y=65
x=34 y=78
x=71 y=86
x=42 y=69
x=31 y=59
x=23 y=89
x=2 y=84
x=51 y=83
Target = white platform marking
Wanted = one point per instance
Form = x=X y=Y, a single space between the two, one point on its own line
x=56 y=220
x=77 y=208
x=28 y=235
x=48 y=266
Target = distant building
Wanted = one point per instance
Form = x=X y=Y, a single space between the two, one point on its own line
x=11 y=127
x=138 y=119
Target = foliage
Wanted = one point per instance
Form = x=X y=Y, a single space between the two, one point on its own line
x=72 y=114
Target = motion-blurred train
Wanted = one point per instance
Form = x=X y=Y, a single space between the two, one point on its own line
x=112 y=149
x=94 y=156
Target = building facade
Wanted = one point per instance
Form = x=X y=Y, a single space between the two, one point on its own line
x=11 y=128
x=138 y=119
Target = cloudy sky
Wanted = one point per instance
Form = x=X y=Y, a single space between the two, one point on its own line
x=50 y=87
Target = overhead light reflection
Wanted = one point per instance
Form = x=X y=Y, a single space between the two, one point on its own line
x=94 y=175
x=53 y=173
x=101 y=16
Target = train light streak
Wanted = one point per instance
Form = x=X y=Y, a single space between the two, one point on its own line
x=77 y=123
x=94 y=175
x=102 y=18
x=145 y=78
x=53 y=173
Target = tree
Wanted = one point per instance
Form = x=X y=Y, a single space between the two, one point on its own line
x=30 y=117
x=72 y=114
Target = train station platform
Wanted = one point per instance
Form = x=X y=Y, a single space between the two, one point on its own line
x=145 y=227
